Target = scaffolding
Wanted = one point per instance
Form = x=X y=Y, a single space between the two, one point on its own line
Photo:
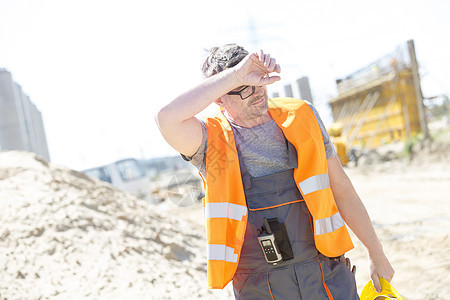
x=381 y=103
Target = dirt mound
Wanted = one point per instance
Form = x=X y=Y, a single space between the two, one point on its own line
x=398 y=156
x=64 y=235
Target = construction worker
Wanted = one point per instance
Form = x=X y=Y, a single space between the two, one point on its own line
x=276 y=194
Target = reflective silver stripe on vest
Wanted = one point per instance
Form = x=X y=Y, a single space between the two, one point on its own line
x=225 y=210
x=221 y=252
x=330 y=224
x=314 y=183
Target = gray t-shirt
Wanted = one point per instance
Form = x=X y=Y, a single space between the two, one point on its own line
x=263 y=148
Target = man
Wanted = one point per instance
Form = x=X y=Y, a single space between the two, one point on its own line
x=276 y=193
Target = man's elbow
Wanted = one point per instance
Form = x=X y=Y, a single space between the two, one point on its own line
x=162 y=118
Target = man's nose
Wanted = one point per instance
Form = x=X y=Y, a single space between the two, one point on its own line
x=259 y=90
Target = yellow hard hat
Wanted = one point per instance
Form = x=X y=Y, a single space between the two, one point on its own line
x=387 y=291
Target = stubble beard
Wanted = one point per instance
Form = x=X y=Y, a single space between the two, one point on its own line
x=255 y=111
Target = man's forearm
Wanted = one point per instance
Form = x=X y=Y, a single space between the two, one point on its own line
x=355 y=215
x=190 y=103
x=351 y=207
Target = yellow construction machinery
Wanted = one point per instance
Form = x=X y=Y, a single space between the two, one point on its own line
x=379 y=104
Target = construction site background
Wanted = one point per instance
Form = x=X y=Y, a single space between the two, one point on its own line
x=382 y=104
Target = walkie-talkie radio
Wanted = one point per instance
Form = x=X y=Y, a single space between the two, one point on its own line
x=270 y=249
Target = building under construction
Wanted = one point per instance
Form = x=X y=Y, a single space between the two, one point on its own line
x=380 y=103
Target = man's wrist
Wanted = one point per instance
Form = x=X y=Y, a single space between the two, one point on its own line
x=238 y=77
x=230 y=80
x=376 y=251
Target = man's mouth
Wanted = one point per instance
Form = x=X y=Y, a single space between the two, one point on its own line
x=258 y=101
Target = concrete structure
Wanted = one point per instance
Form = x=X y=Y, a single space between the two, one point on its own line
x=21 y=125
x=304 y=89
x=288 y=91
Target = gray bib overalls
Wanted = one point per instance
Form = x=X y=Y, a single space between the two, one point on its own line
x=309 y=273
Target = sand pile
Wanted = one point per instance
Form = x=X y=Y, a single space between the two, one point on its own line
x=64 y=235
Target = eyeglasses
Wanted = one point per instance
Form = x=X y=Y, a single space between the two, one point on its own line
x=245 y=92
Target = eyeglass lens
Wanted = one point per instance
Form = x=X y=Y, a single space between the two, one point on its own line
x=247 y=92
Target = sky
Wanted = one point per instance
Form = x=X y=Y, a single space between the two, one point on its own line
x=99 y=70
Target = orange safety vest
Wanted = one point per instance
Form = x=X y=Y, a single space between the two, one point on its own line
x=225 y=205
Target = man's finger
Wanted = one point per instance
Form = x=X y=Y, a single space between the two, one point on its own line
x=261 y=55
x=277 y=68
x=272 y=64
x=266 y=60
x=376 y=283
x=269 y=80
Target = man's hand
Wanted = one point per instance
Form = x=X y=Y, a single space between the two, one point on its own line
x=380 y=267
x=255 y=69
